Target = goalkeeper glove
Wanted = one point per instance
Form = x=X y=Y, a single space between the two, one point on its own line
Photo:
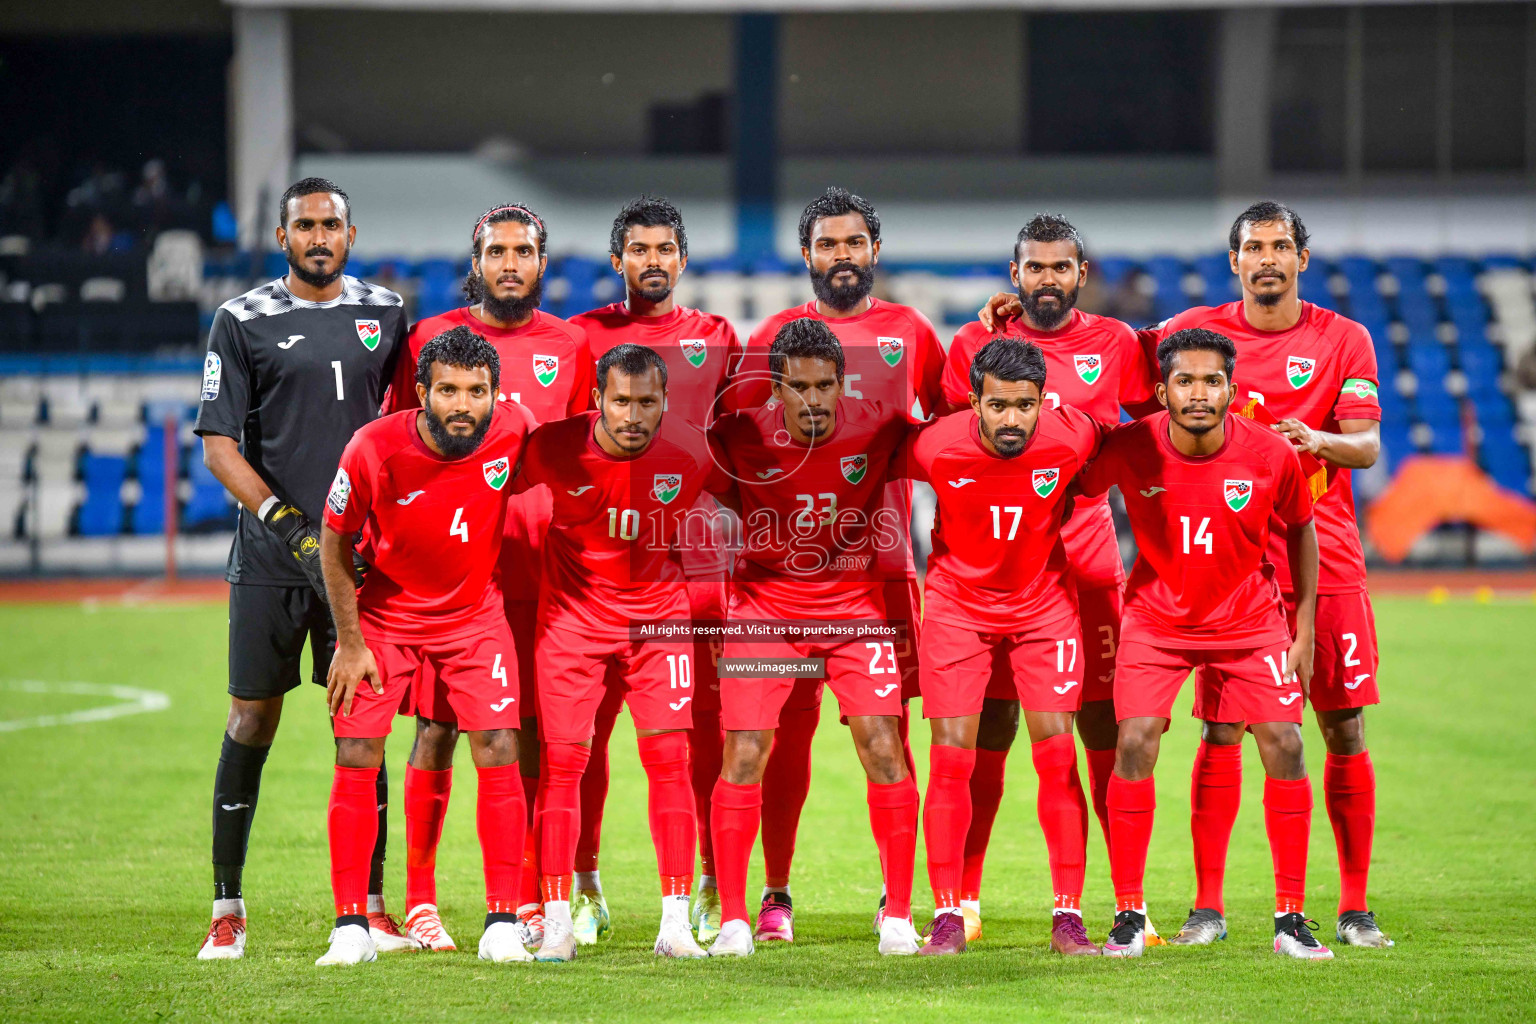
x=295 y=530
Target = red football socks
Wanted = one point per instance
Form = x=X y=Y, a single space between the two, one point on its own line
x=560 y=816
x=735 y=816
x=502 y=822
x=1101 y=765
x=986 y=798
x=426 y=804
x=706 y=748
x=893 y=819
x=1131 y=809
x=1349 y=789
x=1063 y=813
x=673 y=826
x=528 y=889
x=353 y=824
x=594 y=789
x=1215 y=793
x=947 y=819
x=786 y=784
x=1288 y=820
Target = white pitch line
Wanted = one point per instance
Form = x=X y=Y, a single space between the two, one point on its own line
x=133 y=701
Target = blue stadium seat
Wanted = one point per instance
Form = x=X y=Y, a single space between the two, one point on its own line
x=101 y=514
x=209 y=505
x=1509 y=465
x=1396 y=443
x=440 y=288
x=274 y=264
x=1505 y=261
x=1481 y=362
x=1428 y=359
x=1220 y=283
x=1112 y=270
x=1394 y=408
x=1167 y=273
x=150 y=468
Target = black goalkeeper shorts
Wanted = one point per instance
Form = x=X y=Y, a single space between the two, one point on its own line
x=267 y=630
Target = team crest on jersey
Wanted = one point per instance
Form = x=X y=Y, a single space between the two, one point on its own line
x=854 y=467
x=1299 y=369
x=368 y=333
x=1045 y=481
x=666 y=486
x=341 y=491
x=1088 y=367
x=496 y=472
x=546 y=369
x=694 y=350
x=891 y=349
x=1237 y=493
x=213 y=372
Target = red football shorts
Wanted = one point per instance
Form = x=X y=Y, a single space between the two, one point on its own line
x=471 y=681
x=1247 y=685
x=1344 y=667
x=903 y=603
x=527 y=523
x=1100 y=613
x=1044 y=667
x=864 y=675
x=576 y=669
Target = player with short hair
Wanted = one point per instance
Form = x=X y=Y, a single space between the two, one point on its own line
x=546 y=366
x=810 y=472
x=1094 y=364
x=893 y=357
x=293 y=368
x=1201 y=489
x=624 y=480
x=1311 y=374
x=649 y=250
x=999 y=602
x=427 y=490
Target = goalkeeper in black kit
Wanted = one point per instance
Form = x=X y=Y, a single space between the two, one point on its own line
x=293 y=368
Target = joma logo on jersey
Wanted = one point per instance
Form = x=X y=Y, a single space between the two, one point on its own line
x=368 y=333
x=496 y=472
x=546 y=369
x=890 y=350
x=694 y=350
x=1088 y=367
x=341 y=490
x=1237 y=493
x=1299 y=369
x=854 y=467
x=1045 y=480
x=666 y=487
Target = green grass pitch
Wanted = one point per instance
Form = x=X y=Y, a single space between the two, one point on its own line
x=105 y=887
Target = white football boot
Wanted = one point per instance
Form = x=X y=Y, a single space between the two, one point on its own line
x=424 y=927
x=735 y=939
x=897 y=937
x=502 y=943
x=350 y=944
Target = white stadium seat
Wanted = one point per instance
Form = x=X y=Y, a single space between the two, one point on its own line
x=19 y=397
x=68 y=404
x=55 y=504
x=54 y=460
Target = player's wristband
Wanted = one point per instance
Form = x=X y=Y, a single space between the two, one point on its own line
x=267 y=506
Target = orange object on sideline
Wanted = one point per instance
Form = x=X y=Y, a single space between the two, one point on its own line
x=1432 y=489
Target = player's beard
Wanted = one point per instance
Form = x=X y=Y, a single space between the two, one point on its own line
x=841 y=297
x=655 y=288
x=1048 y=317
x=511 y=311
x=1199 y=430
x=1266 y=298
x=456 y=446
x=1008 y=441
x=308 y=276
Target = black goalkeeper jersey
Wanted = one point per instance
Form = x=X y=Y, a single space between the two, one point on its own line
x=291 y=380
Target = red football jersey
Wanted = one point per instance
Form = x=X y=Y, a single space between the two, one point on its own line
x=998 y=565
x=432 y=527
x=1321 y=371
x=546 y=364
x=695 y=345
x=1092 y=363
x=1201 y=526
x=697 y=348
x=608 y=555
x=891 y=352
x=812 y=517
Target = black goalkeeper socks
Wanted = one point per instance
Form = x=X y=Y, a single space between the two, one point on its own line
x=376 y=868
x=235 y=789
